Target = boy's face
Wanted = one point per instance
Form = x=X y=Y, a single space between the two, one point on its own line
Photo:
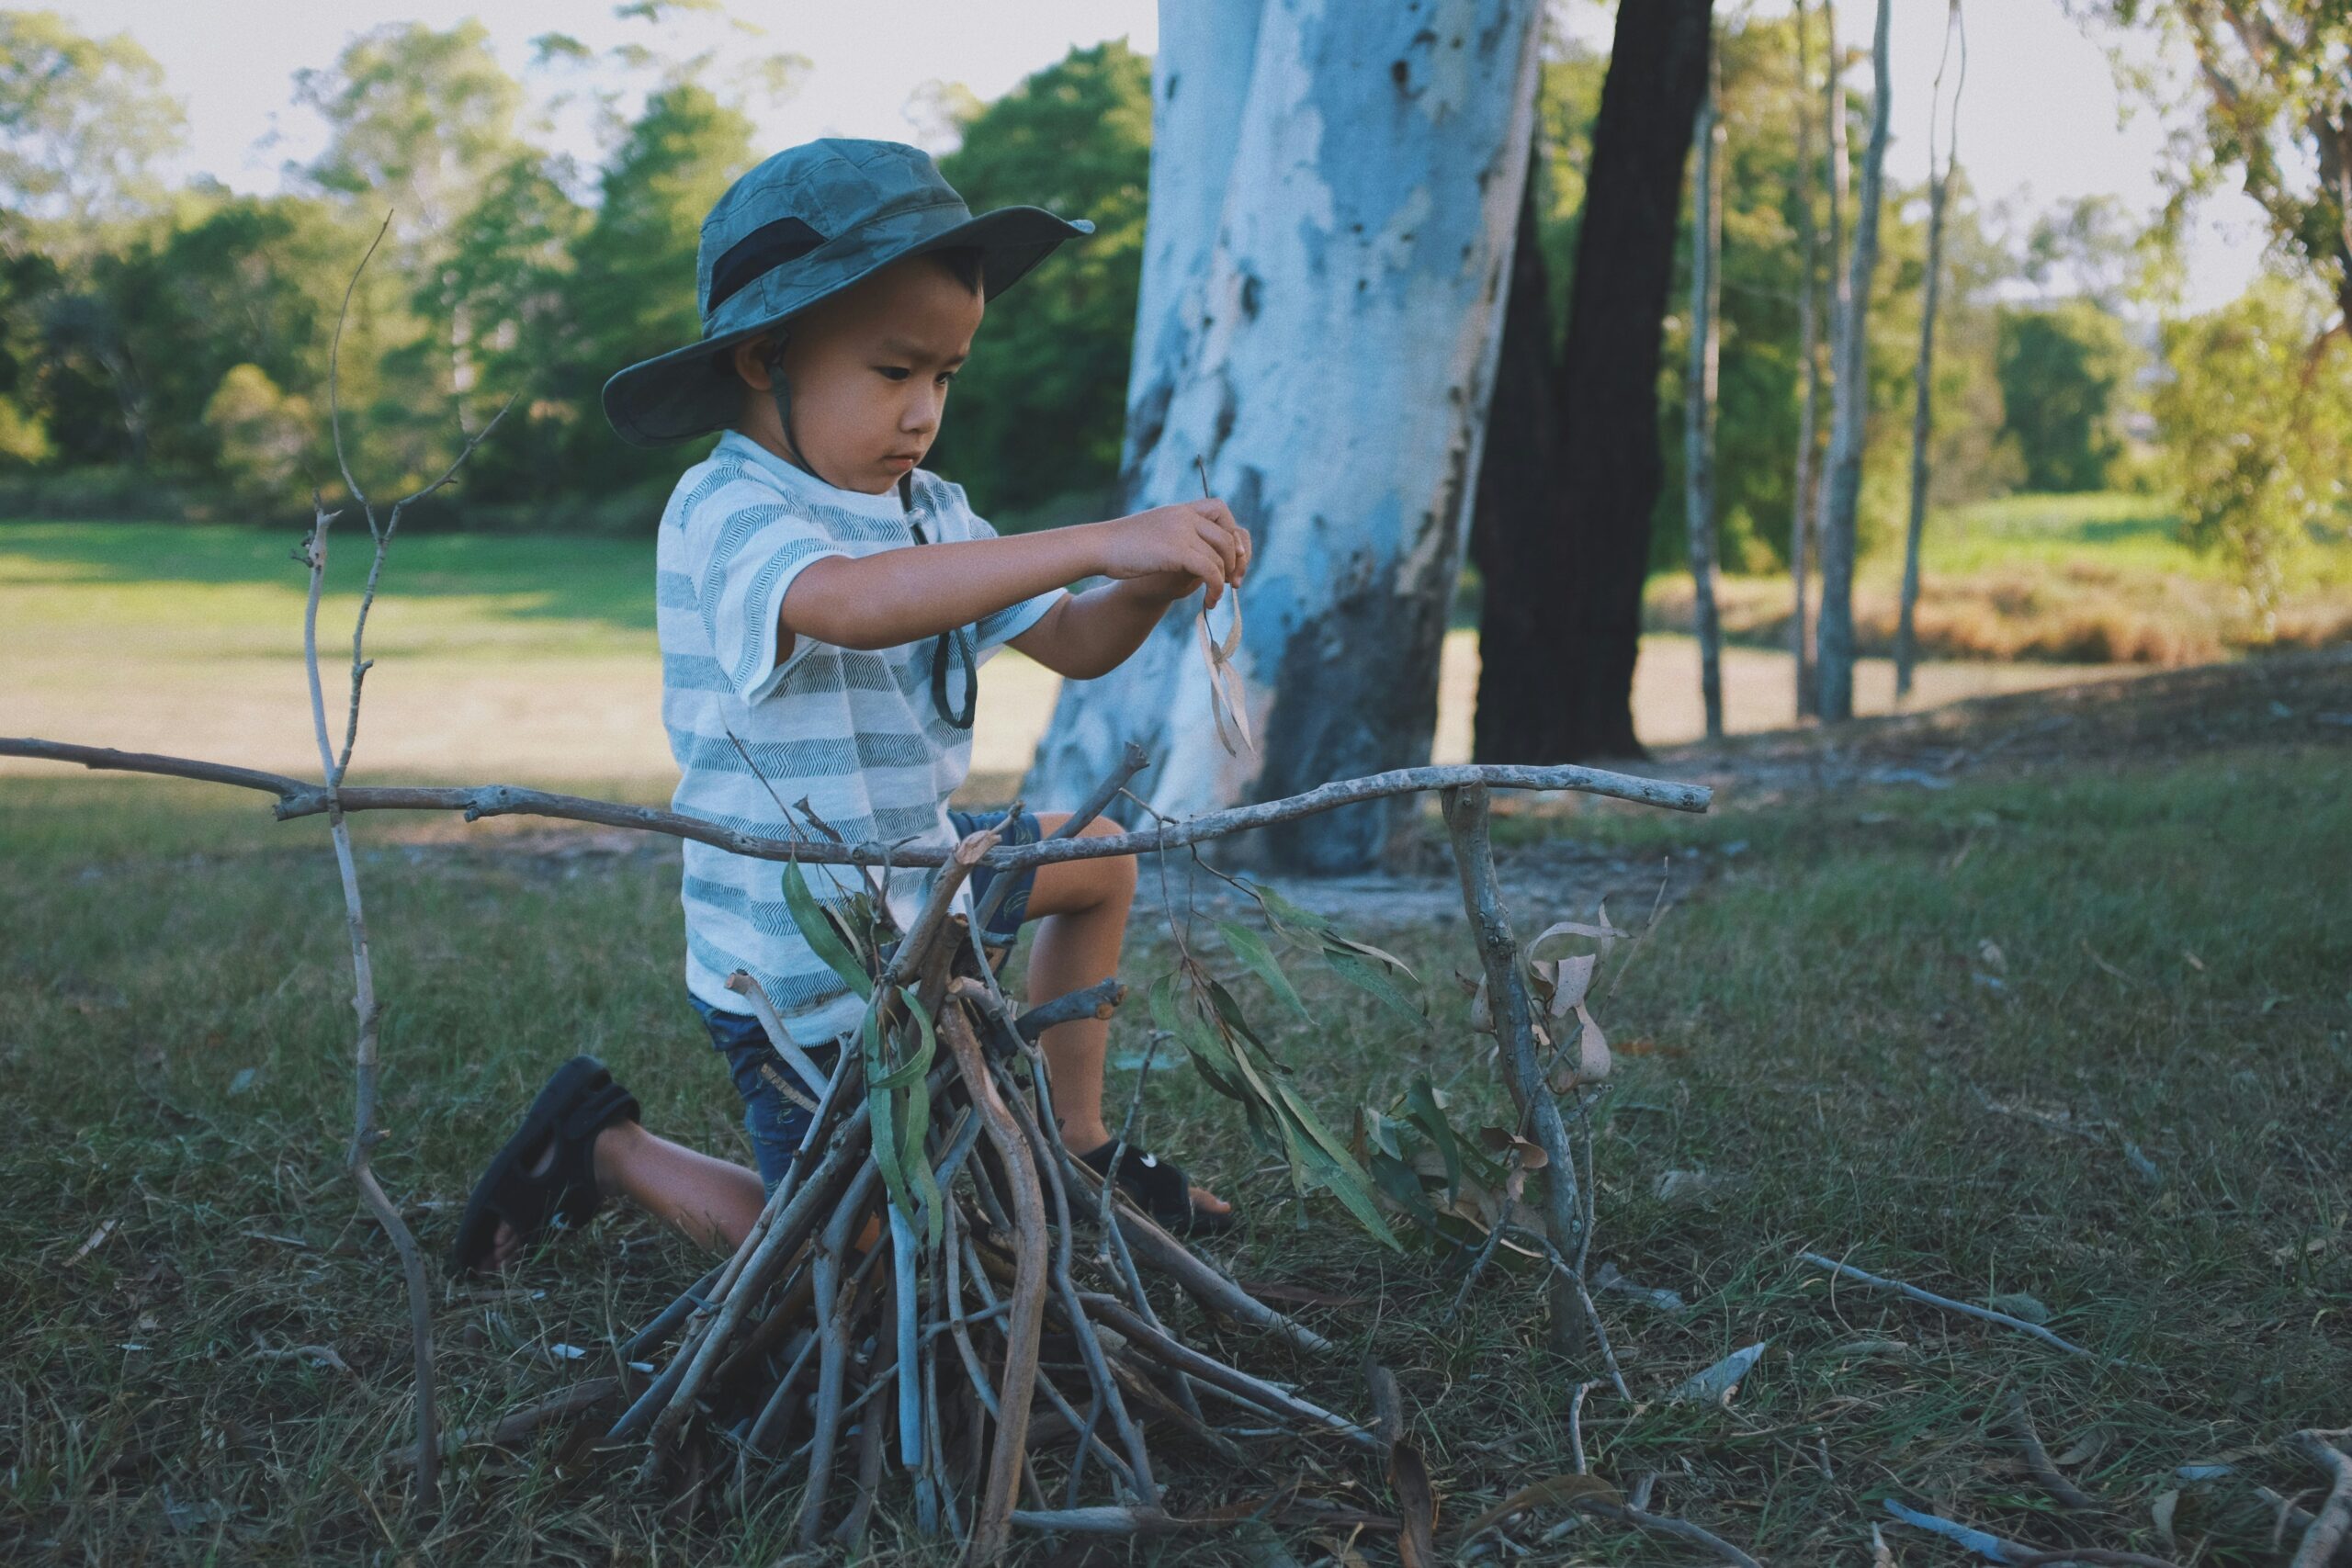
x=868 y=371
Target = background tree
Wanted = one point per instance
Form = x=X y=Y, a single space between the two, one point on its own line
x=1039 y=408
x=2257 y=434
x=1561 y=619
x=1333 y=249
x=626 y=297
x=1923 y=406
x=1807 y=475
x=1852 y=411
x=1706 y=349
x=83 y=122
x=417 y=121
x=2065 y=371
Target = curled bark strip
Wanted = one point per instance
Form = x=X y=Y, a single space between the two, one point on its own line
x=993 y=1515
x=2064 y=1493
x=297 y=797
x=2328 y=1533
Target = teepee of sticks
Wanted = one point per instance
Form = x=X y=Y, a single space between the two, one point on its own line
x=939 y=1297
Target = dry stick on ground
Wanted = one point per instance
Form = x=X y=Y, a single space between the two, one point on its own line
x=1514 y=1016
x=1662 y=1523
x=2037 y=1458
x=2329 y=1531
x=332 y=764
x=1848 y=1270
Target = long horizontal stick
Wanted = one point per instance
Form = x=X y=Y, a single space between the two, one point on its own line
x=299 y=797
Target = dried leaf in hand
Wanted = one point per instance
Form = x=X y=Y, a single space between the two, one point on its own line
x=1714 y=1385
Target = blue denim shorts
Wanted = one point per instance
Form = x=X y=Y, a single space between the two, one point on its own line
x=775 y=1123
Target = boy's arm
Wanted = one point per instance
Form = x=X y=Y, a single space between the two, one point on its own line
x=1090 y=634
x=904 y=595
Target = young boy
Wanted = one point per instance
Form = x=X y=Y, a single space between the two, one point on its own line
x=824 y=603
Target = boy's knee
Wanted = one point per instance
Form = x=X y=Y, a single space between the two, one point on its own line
x=1118 y=872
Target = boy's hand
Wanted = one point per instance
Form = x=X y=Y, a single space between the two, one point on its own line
x=1170 y=550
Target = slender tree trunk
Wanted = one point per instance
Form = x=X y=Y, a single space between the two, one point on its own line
x=1809 y=351
x=1699 y=422
x=1848 y=426
x=1922 y=415
x=1840 y=302
x=1608 y=472
x=1367 y=209
x=1514 y=537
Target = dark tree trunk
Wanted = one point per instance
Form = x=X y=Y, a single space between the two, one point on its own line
x=1514 y=534
x=1586 y=585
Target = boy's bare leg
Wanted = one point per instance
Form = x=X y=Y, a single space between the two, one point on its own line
x=709 y=1202
x=1084 y=905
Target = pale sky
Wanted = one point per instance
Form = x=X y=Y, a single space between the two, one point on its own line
x=2041 y=119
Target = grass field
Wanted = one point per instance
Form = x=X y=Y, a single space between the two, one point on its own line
x=531 y=659
x=1925 y=1030
x=2081 y=579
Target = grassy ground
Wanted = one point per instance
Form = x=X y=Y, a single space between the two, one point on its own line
x=1914 y=1027
x=2081 y=579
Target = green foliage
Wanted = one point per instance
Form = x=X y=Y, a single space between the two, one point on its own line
x=263 y=435
x=2064 y=370
x=2256 y=421
x=1761 y=381
x=631 y=291
x=417 y=120
x=1040 y=408
x=82 y=120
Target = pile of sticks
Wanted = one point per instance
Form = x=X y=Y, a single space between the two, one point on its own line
x=971 y=1348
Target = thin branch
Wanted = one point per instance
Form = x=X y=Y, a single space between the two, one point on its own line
x=1661 y=1524
x=2329 y=1531
x=334 y=359
x=297 y=797
x=1987 y=1314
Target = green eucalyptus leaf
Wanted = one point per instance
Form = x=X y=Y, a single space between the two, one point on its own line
x=1252 y=950
x=818 y=930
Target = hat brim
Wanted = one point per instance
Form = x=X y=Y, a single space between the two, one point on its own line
x=693 y=390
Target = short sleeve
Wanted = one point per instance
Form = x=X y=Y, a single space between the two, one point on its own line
x=1001 y=627
x=742 y=559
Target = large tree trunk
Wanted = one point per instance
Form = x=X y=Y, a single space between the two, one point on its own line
x=1608 y=469
x=1514 y=537
x=1922 y=408
x=1333 y=365
x=1848 y=426
x=1809 y=351
x=1699 y=389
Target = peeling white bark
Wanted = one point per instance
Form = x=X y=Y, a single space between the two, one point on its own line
x=1328 y=351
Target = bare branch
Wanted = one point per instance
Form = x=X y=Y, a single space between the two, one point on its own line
x=334 y=361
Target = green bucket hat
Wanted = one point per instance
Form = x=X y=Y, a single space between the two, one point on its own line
x=800 y=229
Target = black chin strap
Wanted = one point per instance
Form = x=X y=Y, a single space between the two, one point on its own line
x=958 y=646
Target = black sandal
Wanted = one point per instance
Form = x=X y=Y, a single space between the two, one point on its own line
x=1164 y=1190
x=580 y=1100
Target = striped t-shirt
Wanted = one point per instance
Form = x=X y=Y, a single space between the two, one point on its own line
x=856 y=733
